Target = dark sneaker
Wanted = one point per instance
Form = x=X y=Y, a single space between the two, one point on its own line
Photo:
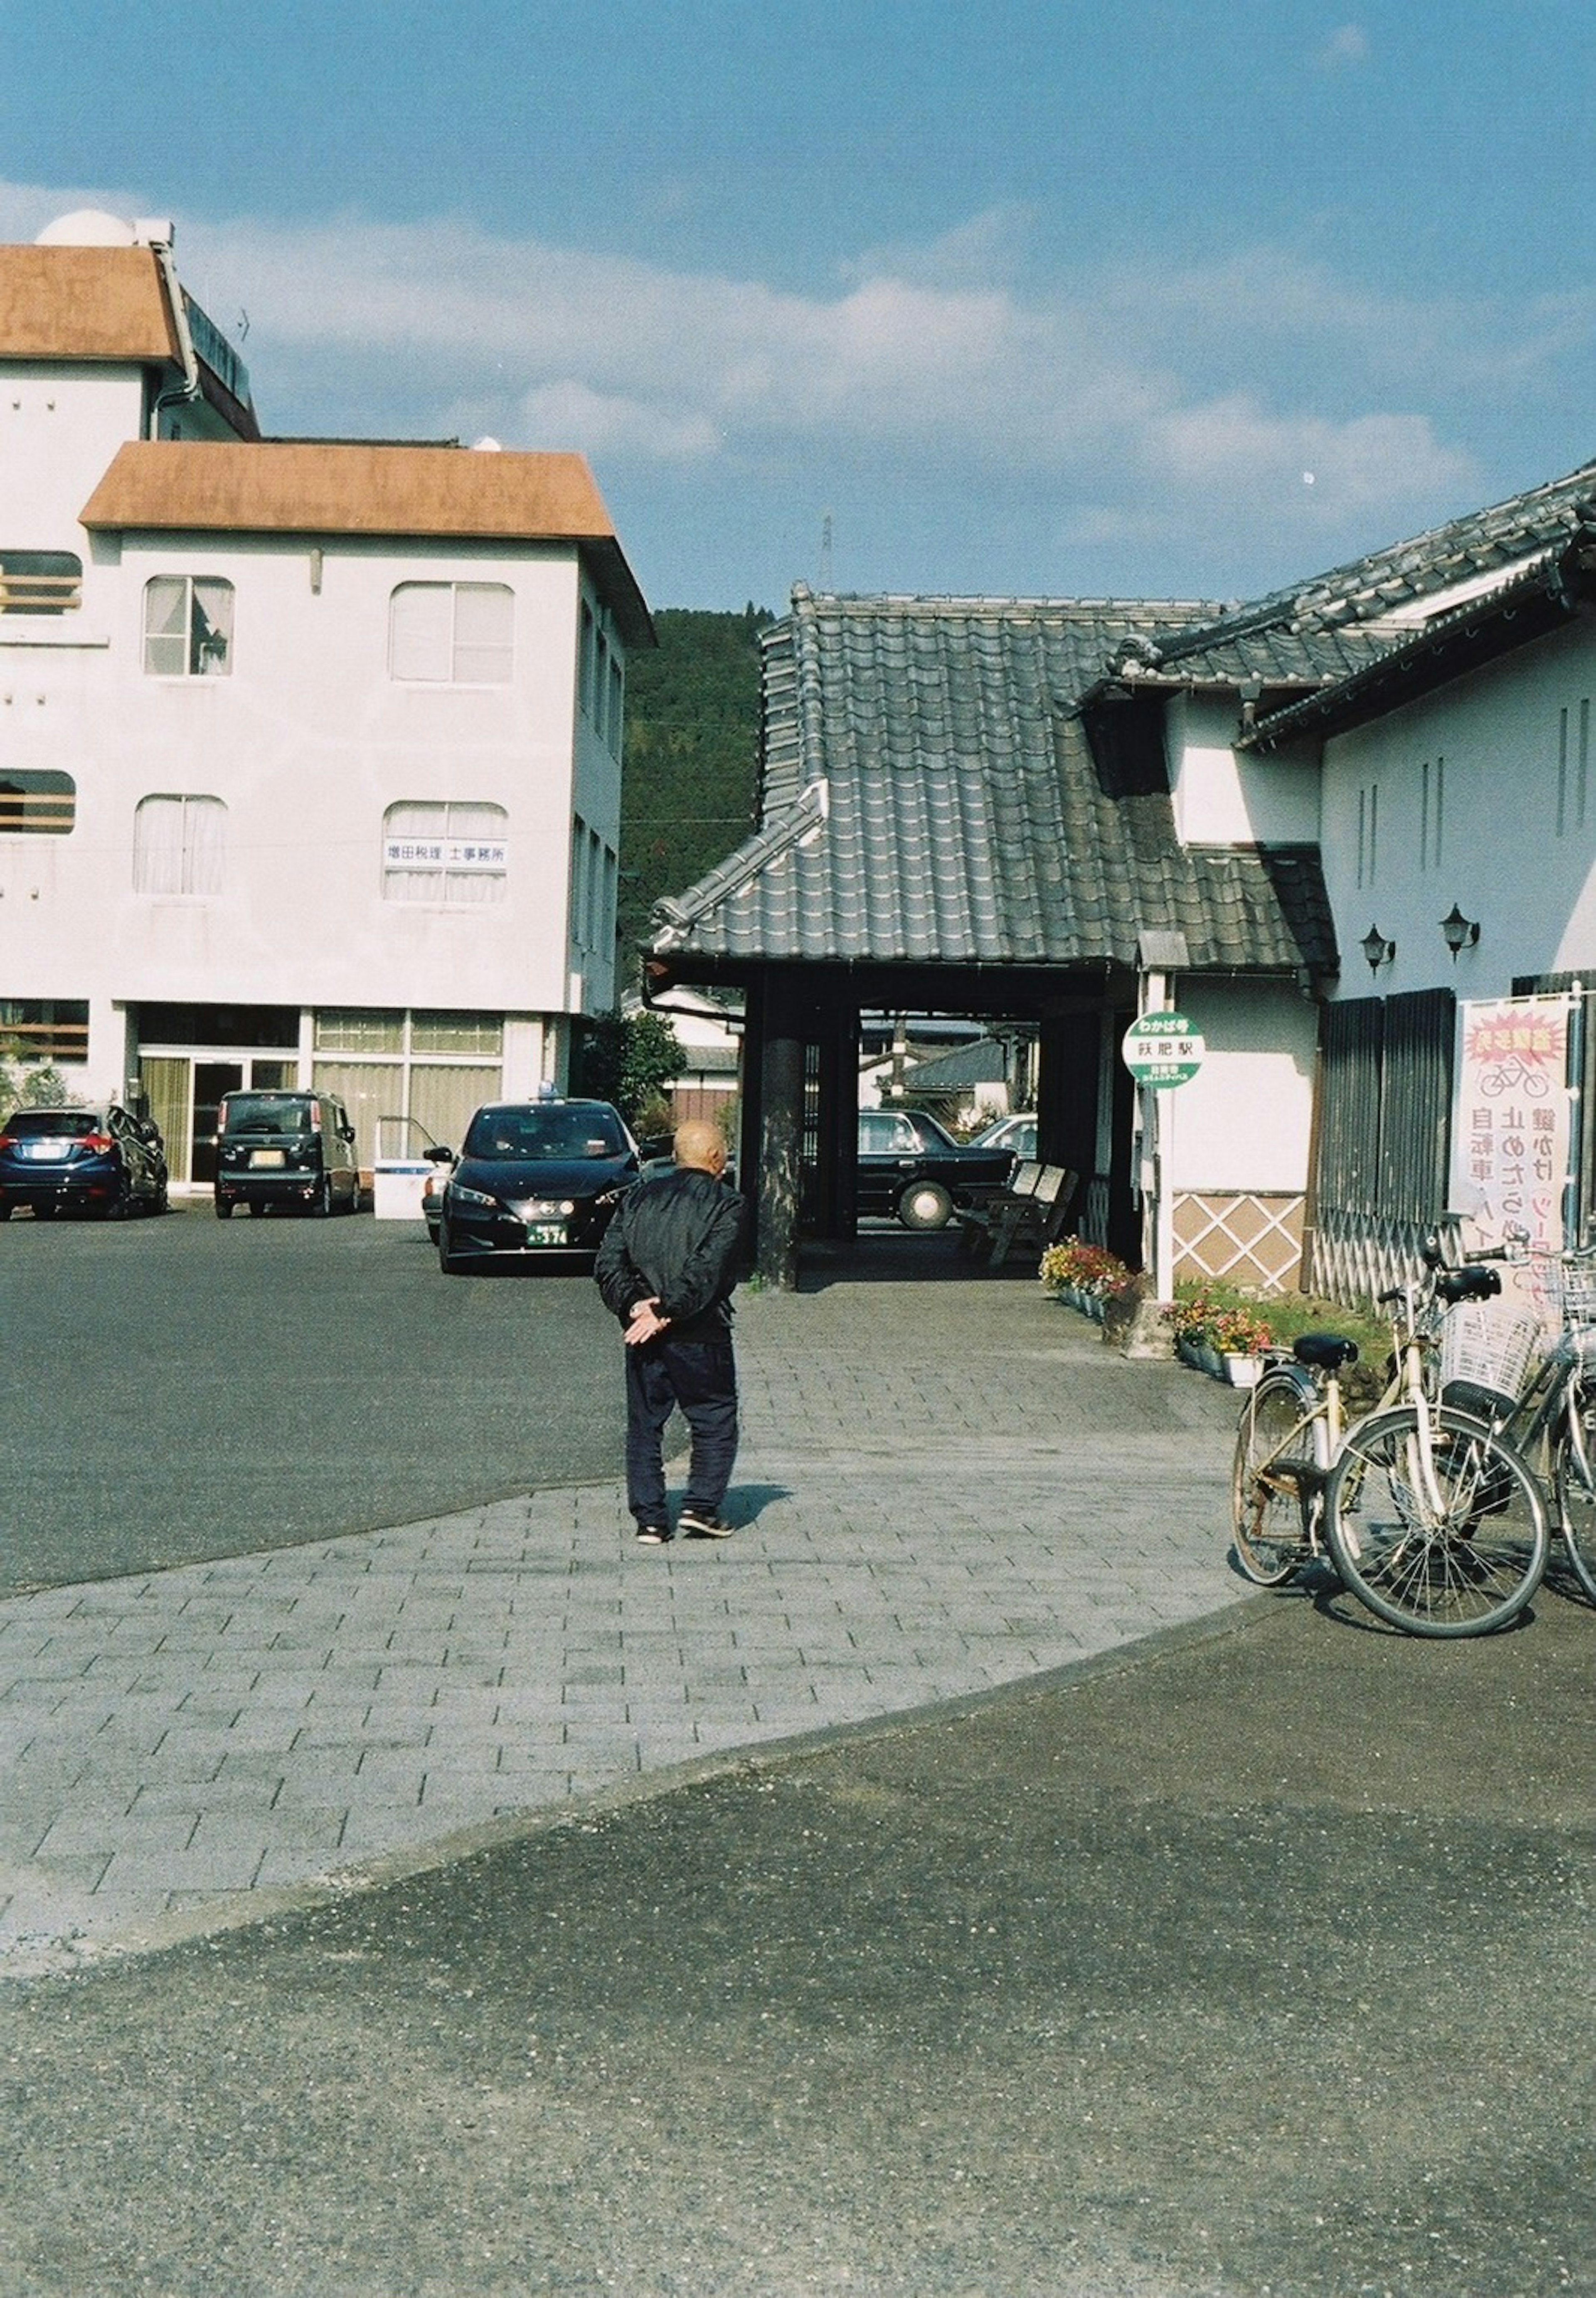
x=654 y=1535
x=703 y=1524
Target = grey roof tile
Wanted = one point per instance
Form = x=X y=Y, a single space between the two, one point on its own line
x=966 y=818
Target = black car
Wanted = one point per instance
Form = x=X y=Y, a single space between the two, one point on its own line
x=533 y=1178
x=287 y=1148
x=912 y=1169
x=102 y=1160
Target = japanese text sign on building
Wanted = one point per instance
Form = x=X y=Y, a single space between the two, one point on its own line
x=442 y=854
x=1162 y=1049
x=1512 y=1125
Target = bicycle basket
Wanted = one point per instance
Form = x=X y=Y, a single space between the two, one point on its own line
x=1572 y=1290
x=1487 y=1346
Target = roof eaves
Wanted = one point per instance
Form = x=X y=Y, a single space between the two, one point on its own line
x=1525 y=606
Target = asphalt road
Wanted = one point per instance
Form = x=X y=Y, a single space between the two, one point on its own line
x=188 y=1388
x=1257 y=1962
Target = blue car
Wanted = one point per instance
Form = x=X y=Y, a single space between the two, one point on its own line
x=533 y=1179
x=103 y=1161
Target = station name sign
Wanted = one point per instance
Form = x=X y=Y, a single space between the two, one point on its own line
x=1163 y=1050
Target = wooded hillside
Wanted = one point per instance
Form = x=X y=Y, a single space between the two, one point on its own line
x=692 y=724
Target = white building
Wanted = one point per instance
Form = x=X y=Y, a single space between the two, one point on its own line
x=309 y=752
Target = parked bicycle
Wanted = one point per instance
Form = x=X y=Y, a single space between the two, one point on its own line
x=1429 y=1514
x=1539 y=1394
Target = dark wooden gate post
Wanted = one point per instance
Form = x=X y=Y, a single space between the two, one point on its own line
x=781 y=1129
x=837 y=1117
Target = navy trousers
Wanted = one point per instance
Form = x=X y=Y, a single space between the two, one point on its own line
x=700 y=1378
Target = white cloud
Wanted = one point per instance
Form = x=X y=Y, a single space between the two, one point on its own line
x=1151 y=400
x=1345 y=46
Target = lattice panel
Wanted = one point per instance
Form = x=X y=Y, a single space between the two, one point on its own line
x=1246 y=1237
x=1356 y=1256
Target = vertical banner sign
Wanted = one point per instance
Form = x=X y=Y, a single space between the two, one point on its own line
x=1512 y=1129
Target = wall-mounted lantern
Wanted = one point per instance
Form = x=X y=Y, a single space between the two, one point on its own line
x=1461 y=932
x=1376 y=950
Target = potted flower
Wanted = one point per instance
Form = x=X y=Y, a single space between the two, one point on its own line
x=1084 y=1276
x=1241 y=1336
x=1193 y=1316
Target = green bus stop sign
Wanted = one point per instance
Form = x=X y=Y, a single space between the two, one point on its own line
x=1162 y=1049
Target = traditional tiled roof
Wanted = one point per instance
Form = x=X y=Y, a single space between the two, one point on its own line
x=303 y=487
x=1538 y=597
x=930 y=795
x=982 y=1062
x=929 y=791
x=1369 y=605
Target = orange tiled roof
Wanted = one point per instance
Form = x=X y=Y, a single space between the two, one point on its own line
x=83 y=303
x=303 y=487
x=310 y=487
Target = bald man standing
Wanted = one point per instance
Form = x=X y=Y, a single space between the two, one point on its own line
x=666 y=1268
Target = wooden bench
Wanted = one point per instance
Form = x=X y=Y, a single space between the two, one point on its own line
x=1030 y=1211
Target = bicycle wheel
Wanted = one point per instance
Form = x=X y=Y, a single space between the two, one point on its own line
x=1280 y=1445
x=1574 y=1482
x=1455 y=1553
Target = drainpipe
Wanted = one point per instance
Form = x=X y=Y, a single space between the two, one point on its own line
x=183 y=394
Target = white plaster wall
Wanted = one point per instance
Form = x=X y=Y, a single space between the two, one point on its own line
x=60 y=426
x=307 y=741
x=1499 y=853
x=1223 y=799
x=1243 y=1121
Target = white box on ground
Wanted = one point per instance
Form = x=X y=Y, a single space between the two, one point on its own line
x=396 y=1186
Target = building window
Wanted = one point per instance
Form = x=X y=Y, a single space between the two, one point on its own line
x=454 y=854
x=452 y=634
x=178 y=845
x=586 y=656
x=408 y=1079
x=189 y=626
x=45 y=1029
x=457 y=1033
x=40 y=582
x=38 y=801
x=359 y=1030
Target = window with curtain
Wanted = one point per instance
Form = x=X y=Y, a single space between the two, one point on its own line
x=452 y=634
x=452 y=853
x=189 y=626
x=179 y=844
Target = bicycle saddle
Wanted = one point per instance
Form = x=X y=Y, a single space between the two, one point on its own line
x=1454 y=1284
x=1325 y=1352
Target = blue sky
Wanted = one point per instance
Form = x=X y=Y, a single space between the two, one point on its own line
x=1180 y=299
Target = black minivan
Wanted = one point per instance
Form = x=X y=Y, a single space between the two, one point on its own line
x=285 y=1149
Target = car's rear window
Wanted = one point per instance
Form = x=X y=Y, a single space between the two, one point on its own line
x=255 y=1112
x=535 y=1134
x=53 y=1123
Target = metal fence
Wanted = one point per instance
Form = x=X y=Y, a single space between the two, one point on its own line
x=1383 y=1138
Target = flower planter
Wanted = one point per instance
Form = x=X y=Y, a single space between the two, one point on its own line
x=1242 y=1372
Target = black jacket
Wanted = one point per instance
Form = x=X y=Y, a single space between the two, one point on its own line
x=679 y=1241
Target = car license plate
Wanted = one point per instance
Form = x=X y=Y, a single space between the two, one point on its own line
x=545 y=1232
x=48 y=1152
x=266 y=1157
